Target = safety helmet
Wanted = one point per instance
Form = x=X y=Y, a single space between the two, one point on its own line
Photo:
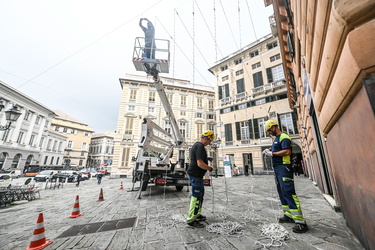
x=209 y=134
x=269 y=124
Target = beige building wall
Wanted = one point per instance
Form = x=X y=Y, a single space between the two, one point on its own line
x=192 y=104
x=242 y=109
x=329 y=52
x=78 y=138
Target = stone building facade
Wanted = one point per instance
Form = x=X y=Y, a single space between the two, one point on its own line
x=251 y=89
x=101 y=150
x=192 y=104
x=78 y=139
x=328 y=50
x=29 y=141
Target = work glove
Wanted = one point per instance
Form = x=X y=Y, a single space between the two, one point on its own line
x=267 y=153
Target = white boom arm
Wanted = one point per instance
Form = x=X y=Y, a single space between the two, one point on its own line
x=149 y=140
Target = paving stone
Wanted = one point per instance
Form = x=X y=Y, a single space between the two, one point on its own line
x=251 y=201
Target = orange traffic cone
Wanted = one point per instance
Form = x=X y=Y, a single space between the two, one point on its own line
x=101 y=198
x=121 y=187
x=76 y=212
x=38 y=241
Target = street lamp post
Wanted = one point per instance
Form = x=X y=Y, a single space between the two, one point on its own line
x=215 y=145
x=11 y=116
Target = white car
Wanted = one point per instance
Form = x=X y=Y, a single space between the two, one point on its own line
x=45 y=175
x=11 y=173
x=93 y=173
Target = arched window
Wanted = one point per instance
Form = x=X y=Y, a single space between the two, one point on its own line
x=28 y=160
x=16 y=161
x=3 y=158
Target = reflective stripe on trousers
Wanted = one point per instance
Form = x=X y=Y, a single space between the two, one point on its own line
x=288 y=197
x=196 y=201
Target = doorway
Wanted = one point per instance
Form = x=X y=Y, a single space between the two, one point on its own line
x=248 y=163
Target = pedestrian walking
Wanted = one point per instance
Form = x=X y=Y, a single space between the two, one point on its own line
x=235 y=170
x=196 y=170
x=99 y=177
x=246 y=170
x=281 y=151
x=296 y=168
x=79 y=178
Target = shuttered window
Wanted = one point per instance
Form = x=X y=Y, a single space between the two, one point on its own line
x=228 y=132
x=258 y=79
x=240 y=85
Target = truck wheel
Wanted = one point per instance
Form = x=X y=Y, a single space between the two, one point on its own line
x=179 y=188
x=146 y=178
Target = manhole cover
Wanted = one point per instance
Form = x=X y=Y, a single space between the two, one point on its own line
x=99 y=227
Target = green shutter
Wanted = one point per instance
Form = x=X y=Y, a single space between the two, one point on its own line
x=240 y=86
x=258 y=79
x=227 y=90
x=220 y=88
x=250 y=123
x=228 y=132
x=269 y=75
x=238 y=130
x=256 y=129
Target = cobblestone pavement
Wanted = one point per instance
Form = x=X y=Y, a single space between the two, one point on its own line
x=247 y=202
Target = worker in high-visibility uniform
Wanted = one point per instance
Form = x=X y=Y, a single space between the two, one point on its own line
x=197 y=168
x=281 y=162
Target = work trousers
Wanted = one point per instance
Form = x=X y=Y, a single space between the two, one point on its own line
x=197 y=193
x=287 y=193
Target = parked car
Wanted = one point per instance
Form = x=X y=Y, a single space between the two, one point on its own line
x=12 y=173
x=70 y=174
x=44 y=175
x=93 y=173
x=85 y=174
x=63 y=176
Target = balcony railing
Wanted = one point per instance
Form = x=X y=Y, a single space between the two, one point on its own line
x=269 y=86
x=225 y=100
x=240 y=96
x=245 y=142
x=127 y=137
x=228 y=143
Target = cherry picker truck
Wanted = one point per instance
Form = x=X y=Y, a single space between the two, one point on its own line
x=152 y=164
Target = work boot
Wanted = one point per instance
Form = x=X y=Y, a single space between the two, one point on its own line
x=286 y=219
x=201 y=218
x=195 y=224
x=300 y=228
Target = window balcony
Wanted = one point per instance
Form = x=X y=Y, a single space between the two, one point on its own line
x=270 y=86
x=240 y=96
x=229 y=143
x=246 y=142
x=127 y=137
x=225 y=100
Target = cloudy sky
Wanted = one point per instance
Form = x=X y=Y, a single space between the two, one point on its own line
x=69 y=54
